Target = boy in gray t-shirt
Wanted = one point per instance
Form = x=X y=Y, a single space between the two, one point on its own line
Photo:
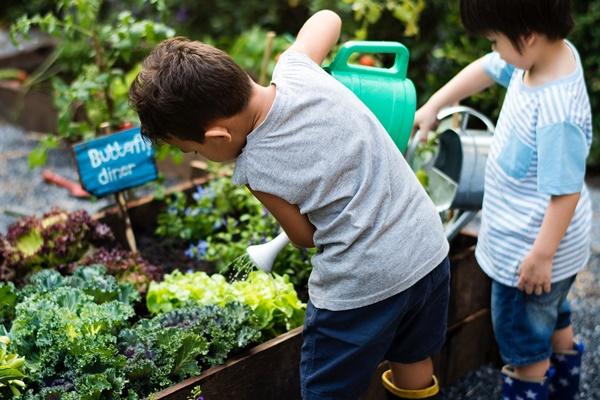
x=325 y=167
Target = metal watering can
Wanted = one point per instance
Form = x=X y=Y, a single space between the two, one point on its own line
x=456 y=169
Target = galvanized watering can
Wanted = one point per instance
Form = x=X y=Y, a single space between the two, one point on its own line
x=456 y=169
x=387 y=92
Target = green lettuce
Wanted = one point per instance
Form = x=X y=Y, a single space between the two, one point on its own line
x=271 y=297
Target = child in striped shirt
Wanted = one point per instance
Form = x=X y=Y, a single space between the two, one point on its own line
x=536 y=215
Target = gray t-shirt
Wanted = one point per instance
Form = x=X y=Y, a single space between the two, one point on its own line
x=322 y=149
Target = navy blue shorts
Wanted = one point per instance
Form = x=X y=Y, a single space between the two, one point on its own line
x=524 y=324
x=342 y=349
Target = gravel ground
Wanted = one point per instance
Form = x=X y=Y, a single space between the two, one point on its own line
x=23 y=190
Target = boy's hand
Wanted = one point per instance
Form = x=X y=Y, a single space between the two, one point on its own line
x=535 y=275
x=425 y=121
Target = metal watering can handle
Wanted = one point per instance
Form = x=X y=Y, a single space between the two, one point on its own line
x=398 y=70
x=466 y=112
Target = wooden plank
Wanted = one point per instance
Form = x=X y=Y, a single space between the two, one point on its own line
x=268 y=371
x=469 y=345
x=470 y=287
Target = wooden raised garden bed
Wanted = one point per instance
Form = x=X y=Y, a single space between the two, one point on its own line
x=271 y=369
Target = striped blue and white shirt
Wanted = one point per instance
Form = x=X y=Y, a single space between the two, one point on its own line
x=542 y=140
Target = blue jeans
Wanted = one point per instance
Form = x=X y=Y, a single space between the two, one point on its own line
x=524 y=324
x=342 y=349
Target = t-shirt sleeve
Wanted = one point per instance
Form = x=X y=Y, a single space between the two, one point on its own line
x=499 y=70
x=562 y=150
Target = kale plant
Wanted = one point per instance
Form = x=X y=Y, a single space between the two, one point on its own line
x=179 y=344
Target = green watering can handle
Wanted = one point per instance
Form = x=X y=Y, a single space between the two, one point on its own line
x=340 y=63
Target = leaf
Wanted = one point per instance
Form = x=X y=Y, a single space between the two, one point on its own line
x=30 y=243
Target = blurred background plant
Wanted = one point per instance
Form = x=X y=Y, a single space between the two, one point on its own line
x=431 y=30
x=92 y=66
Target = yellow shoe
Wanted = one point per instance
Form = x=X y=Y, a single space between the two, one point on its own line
x=428 y=393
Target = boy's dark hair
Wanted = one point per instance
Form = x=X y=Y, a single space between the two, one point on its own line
x=185 y=85
x=518 y=18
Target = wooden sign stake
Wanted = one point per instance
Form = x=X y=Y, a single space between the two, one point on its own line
x=129 y=235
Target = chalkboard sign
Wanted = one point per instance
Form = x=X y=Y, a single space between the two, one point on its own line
x=116 y=162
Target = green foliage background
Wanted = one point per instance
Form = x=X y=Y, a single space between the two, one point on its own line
x=431 y=29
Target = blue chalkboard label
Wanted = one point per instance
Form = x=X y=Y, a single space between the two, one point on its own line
x=116 y=162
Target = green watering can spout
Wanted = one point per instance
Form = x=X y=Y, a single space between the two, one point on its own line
x=387 y=92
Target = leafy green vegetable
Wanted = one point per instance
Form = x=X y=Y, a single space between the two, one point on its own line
x=178 y=344
x=8 y=301
x=67 y=328
x=126 y=266
x=272 y=298
x=55 y=239
x=11 y=371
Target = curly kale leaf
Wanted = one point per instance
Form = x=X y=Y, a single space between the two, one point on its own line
x=92 y=280
x=70 y=343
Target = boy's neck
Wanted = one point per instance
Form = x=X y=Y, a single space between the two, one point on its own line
x=553 y=60
x=259 y=105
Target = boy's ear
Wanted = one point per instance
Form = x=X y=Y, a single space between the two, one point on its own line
x=218 y=132
x=530 y=39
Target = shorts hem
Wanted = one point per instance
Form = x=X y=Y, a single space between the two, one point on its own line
x=430 y=352
x=519 y=362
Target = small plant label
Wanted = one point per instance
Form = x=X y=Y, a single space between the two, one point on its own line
x=115 y=162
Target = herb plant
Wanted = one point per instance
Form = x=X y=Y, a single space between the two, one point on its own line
x=92 y=52
x=221 y=221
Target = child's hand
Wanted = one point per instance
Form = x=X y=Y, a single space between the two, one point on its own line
x=535 y=275
x=425 y=121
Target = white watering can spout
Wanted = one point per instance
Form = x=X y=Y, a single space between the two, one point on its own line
x=263 y=255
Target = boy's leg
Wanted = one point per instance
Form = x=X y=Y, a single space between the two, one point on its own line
x=342 y=349
x=524 y=327
x=420 y=335
x=562 y=339
x=566 y=358
x=413 y=376
x=536 y=370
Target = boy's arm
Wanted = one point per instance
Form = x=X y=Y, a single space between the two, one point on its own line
x=296 y=225
x=535 y=274
x=471 y=80
x=318 y=35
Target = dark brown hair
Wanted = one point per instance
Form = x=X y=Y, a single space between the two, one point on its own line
x=518 y=18
x=184 y=85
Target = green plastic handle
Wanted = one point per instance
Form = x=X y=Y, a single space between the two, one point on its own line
x=399 y=69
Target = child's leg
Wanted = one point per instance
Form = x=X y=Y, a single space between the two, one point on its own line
x=420 y=334
x=562 y=339
x=413 y=376
x=525 y=327
x=536 y=370
x=566 y=358
x=342 y=349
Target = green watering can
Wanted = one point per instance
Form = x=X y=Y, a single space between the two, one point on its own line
x=387 y=92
